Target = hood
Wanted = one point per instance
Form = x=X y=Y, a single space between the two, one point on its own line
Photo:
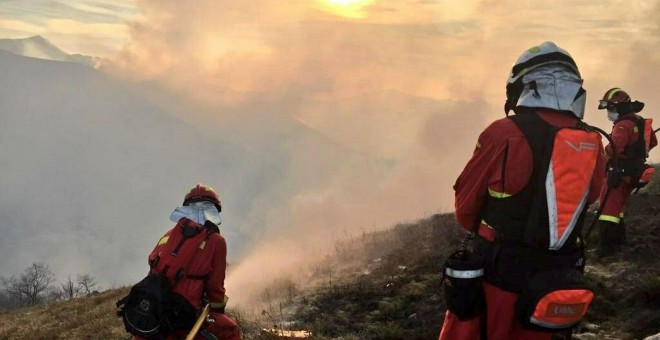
x=199 y=214
x=554 y=87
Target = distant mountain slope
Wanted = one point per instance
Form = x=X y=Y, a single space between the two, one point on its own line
x=90 y=172
x=39 y=47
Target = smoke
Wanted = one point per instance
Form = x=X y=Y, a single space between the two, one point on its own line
x=374 y=113
x=339 y=121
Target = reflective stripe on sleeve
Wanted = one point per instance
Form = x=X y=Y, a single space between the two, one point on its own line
x=163 y=240
x=464 y=274
x=497 y=194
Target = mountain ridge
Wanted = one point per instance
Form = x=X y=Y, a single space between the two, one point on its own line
x=41 y=48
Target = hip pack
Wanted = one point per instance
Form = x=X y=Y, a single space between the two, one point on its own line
x=554 y=300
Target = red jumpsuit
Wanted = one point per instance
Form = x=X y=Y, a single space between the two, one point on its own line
x=210 y=263
x=624 y=133
x=482 y=175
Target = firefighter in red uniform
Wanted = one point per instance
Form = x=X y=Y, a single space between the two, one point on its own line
x=206 y=278
x=633 y=137
x=511 y=171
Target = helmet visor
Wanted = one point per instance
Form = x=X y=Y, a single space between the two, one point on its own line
x=604 y=104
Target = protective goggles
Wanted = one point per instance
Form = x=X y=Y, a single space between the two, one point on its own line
x=604 y=104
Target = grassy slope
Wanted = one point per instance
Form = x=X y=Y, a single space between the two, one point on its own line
x=90 y=317
x=401 y=297
x=386 y=285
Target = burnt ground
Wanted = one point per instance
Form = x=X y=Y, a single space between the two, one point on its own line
x=386 y=284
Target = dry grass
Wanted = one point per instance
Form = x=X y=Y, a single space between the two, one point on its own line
x=89 y=317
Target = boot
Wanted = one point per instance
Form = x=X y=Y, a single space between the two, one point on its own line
x=612 y=238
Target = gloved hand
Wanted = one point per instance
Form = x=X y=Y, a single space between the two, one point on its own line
x=645 y=178
x=219 y=307
x=613 y=177
x=120 y=306
x=612 y=237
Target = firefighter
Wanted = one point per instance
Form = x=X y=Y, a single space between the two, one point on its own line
x=524 y=193
x=204 y=281
x=633 y=137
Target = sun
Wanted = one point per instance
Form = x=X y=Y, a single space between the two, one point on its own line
x=346 y=8
x=344 y=2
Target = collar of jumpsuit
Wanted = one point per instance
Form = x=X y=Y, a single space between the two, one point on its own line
x=199 y=212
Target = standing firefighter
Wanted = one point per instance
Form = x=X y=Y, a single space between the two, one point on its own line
x=186 y=273
x=633 y=137
x=525 y=192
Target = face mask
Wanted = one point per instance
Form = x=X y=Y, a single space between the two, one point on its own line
x=612 y=116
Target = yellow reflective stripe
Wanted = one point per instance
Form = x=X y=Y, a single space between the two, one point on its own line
x=222 y=304
x=163 y=240
x=609 y=218
x=612 y=92
x=535 y=49
x=496 y=194
x=202 y=245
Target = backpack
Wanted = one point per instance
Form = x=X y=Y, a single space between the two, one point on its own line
x=152 y=309
x=548 y=213
x=634 y=162
x=538 y=253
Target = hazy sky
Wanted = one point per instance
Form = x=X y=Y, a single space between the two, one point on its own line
x=408 y=83
x=225 y=51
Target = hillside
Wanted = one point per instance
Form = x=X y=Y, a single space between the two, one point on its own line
x=386 y=285
x=390 y=282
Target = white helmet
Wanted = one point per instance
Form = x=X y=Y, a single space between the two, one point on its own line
x=546 y=76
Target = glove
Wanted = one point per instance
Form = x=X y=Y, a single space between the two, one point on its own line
x=645 y=177
x=120 y=306
x=219 y=307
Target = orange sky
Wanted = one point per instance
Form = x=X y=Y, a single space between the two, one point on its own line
x=316 y=52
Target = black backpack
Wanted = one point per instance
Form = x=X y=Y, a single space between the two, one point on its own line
x=152 y=310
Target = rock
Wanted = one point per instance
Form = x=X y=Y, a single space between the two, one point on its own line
x=586 y=336
x=590 y=327
x=653 y=337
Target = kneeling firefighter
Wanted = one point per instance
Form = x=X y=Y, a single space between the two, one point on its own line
x=186 y=272
x=525 y=193
x=632 y=138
